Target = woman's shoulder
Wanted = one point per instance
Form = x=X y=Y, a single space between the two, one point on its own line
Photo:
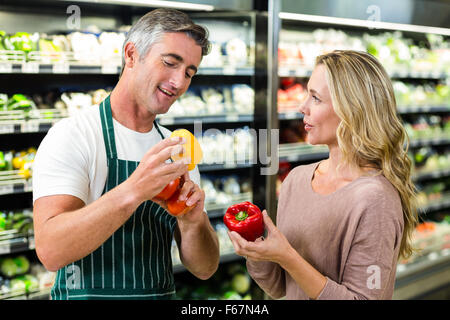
x=376 y=194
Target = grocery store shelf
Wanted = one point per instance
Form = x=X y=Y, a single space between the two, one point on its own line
x=429 y=142
x=226 y=71
x=435 y=174
x=300 y=71
x=217 y=210
x=42 y=294
x=290 y=115
x=423 y=109
x=57 y=68
x=361 y=23
x=15 y=185
x=225 y=257
x=11 y=241
x=224 y=166
x=436 y=205
x=292 y=152
x=71 y=68
x=418 y=278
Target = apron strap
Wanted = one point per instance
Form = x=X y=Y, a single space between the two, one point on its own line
x=158 y=129
x=108 y=128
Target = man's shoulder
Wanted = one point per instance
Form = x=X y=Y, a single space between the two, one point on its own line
x=85 y=120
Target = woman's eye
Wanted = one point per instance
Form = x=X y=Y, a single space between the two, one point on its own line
x=315 y=99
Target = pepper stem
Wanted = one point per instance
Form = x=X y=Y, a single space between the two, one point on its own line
x=241 y=216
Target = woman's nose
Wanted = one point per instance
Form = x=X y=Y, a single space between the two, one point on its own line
x=302 y=107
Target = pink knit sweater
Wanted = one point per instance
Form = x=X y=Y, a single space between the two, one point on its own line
x=351 y=236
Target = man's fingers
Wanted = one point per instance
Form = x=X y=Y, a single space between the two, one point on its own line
x=167 y=143
x=173 y=170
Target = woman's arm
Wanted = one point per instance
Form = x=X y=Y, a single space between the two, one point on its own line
x=276 y=248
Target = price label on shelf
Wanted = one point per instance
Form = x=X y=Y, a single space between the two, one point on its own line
x=31 y=244
x=6 y=128
x=30 y=67
x=61 y=68
x=435 y=74
x=232 y=117
x=6 y=189
x=229 y=70
x=5 y=248
x=30 y=126
x=290 y=115
x=166 y=120
x=5 y=67
x=283 y=71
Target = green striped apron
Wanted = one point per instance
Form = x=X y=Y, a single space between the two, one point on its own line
x=135 y=262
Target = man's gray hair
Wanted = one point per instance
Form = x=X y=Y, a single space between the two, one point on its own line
x=150 y=28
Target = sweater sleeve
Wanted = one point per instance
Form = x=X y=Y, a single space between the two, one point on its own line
x=269 y=276
x=370 y=264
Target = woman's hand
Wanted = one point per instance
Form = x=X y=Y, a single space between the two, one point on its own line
x=274 y=247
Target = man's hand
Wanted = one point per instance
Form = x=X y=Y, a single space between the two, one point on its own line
x=154 y=173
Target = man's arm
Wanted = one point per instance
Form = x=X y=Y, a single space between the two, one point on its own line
x=67 y=230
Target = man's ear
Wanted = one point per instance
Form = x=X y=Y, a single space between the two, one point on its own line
x=130 y=54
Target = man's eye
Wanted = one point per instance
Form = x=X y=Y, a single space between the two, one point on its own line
x=167 y=63
x=188 y=75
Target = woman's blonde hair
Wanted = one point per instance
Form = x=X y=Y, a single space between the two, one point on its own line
x=370 y=132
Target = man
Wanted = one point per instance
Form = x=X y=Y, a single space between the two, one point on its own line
x=95 y=173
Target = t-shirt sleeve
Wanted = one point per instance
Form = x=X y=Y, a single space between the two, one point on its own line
x=61 y=163
x=374 y=250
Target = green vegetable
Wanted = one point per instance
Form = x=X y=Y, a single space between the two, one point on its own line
x=30 y=281
x=22 y=263
x=240 y=283
x=24 y=41
x=20 y=102
x=2 y=221
x=3 y=101
x=231 y=295
x=18 y=285
x=2 y=161
x=8 y=267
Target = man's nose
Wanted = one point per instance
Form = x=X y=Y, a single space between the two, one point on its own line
x=177 y=79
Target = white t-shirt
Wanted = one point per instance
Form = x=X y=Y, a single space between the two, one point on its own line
x=71 y=159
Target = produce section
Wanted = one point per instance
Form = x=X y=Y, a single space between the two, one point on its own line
x=419 y=65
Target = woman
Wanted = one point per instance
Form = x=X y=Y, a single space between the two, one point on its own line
x=342 y=223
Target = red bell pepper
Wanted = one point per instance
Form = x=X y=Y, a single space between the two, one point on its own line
x=246 y=219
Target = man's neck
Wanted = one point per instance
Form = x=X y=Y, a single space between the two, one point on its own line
x=127 y=112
